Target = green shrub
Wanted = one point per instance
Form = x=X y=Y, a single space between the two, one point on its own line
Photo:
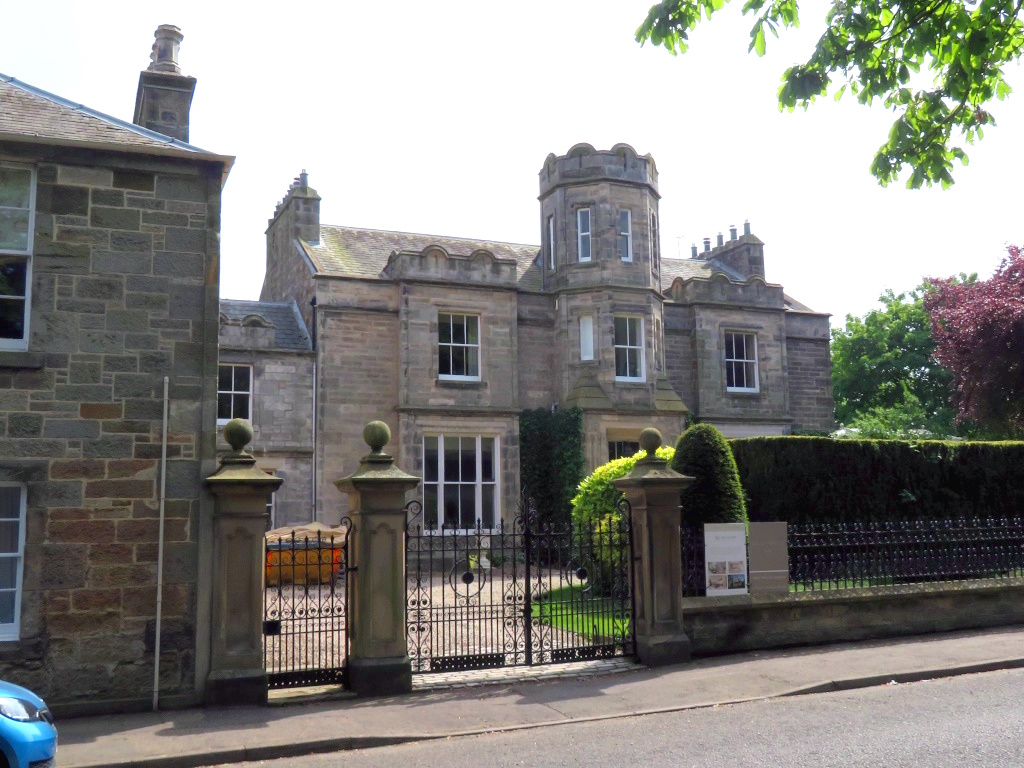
x=596 y=498
x=716 y=495
x=814 y=479
x=595 y=507
x=551 y=460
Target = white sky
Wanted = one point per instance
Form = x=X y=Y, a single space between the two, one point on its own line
x=436 y=118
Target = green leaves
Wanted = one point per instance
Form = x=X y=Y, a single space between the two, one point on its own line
x=872 y=48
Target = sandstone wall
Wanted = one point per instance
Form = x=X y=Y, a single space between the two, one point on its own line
x=124 y=292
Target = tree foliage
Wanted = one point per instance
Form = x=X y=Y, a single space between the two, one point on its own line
x=885 y=379
x=875 y=50
x=978 y=329
x=715 y=496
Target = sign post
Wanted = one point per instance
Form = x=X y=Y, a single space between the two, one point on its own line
x=725 y=559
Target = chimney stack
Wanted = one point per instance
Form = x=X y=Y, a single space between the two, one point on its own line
x=164 y=97
x=693 y=250
x=746 y=227
x=732 y=231
x=707 y=244
x=721 y=240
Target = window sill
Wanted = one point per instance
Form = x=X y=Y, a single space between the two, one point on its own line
x=743 y=392
x=15 y=359
x=461 y=383
x=630 y=381
x=24 y=649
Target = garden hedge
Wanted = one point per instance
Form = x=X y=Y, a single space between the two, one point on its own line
x=816 y=479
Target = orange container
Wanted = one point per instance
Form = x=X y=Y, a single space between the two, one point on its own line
x=312 y=556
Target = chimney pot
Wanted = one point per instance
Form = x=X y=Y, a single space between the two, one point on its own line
x=304 y=178
x=693 y=250
x=732 y=231
x=707 y=244
x=164 y=56
x=721 y=240
x=746 y=227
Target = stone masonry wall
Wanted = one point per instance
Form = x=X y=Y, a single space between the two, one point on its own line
x=358 y=361
x=810 y=384
x=282 y=422
x=124 y=292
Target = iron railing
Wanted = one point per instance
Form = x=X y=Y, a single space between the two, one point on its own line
x=305 y=608
x=870 y=554
x=522 y=593
x=854 y=555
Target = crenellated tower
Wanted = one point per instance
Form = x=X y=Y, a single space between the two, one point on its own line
x=599 y=218
x=601 y=259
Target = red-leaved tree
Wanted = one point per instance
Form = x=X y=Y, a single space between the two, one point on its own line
x=978 y=329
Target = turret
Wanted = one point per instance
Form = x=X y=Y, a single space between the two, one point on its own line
x=599 y=218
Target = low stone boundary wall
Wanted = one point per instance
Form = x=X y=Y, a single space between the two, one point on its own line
x=719 y=625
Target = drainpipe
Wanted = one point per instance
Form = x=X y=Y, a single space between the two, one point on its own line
x=160 y=553
x=313 y=495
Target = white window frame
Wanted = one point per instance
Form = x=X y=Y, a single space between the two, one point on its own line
x=742 y=361
x=580 y=234
x=654 y=250
x=551 y=242
x=478 y=346
x=13 y=631
x=479 y=483
x=628 y=234
x=627 y=346
x=251 y=393
x=613 y=445
x=586 y=337
x=22 y=343
x=656 y=344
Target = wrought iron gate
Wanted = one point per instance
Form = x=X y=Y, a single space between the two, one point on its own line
x=305 y=608
x=526 y=593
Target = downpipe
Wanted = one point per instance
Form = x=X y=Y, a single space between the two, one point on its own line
x=160 y=552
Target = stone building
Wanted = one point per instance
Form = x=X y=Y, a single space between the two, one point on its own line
x=448 y=339
x=266 y=376
x=109 y=255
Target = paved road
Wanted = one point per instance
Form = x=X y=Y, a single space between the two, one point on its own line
x=975 y=720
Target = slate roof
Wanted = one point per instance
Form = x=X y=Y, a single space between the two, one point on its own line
x=27 y=112
x=363 y=253
x=289 y=329
x=690 y=268
x=353 y=252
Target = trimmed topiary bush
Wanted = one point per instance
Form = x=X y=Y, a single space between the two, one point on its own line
x=716 y=495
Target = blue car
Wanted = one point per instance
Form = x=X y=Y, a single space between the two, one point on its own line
x=28 y=738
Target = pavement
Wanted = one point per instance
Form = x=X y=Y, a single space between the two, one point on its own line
x=493 y=702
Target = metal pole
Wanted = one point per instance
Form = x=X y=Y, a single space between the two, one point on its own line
x=160 y=553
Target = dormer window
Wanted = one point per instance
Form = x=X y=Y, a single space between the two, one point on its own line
x=458 y=348
x=625 y=235
x=583 y=233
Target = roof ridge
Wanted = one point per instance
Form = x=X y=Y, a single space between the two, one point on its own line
x=103 y=116
x=428 y=234
x=259 y=301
